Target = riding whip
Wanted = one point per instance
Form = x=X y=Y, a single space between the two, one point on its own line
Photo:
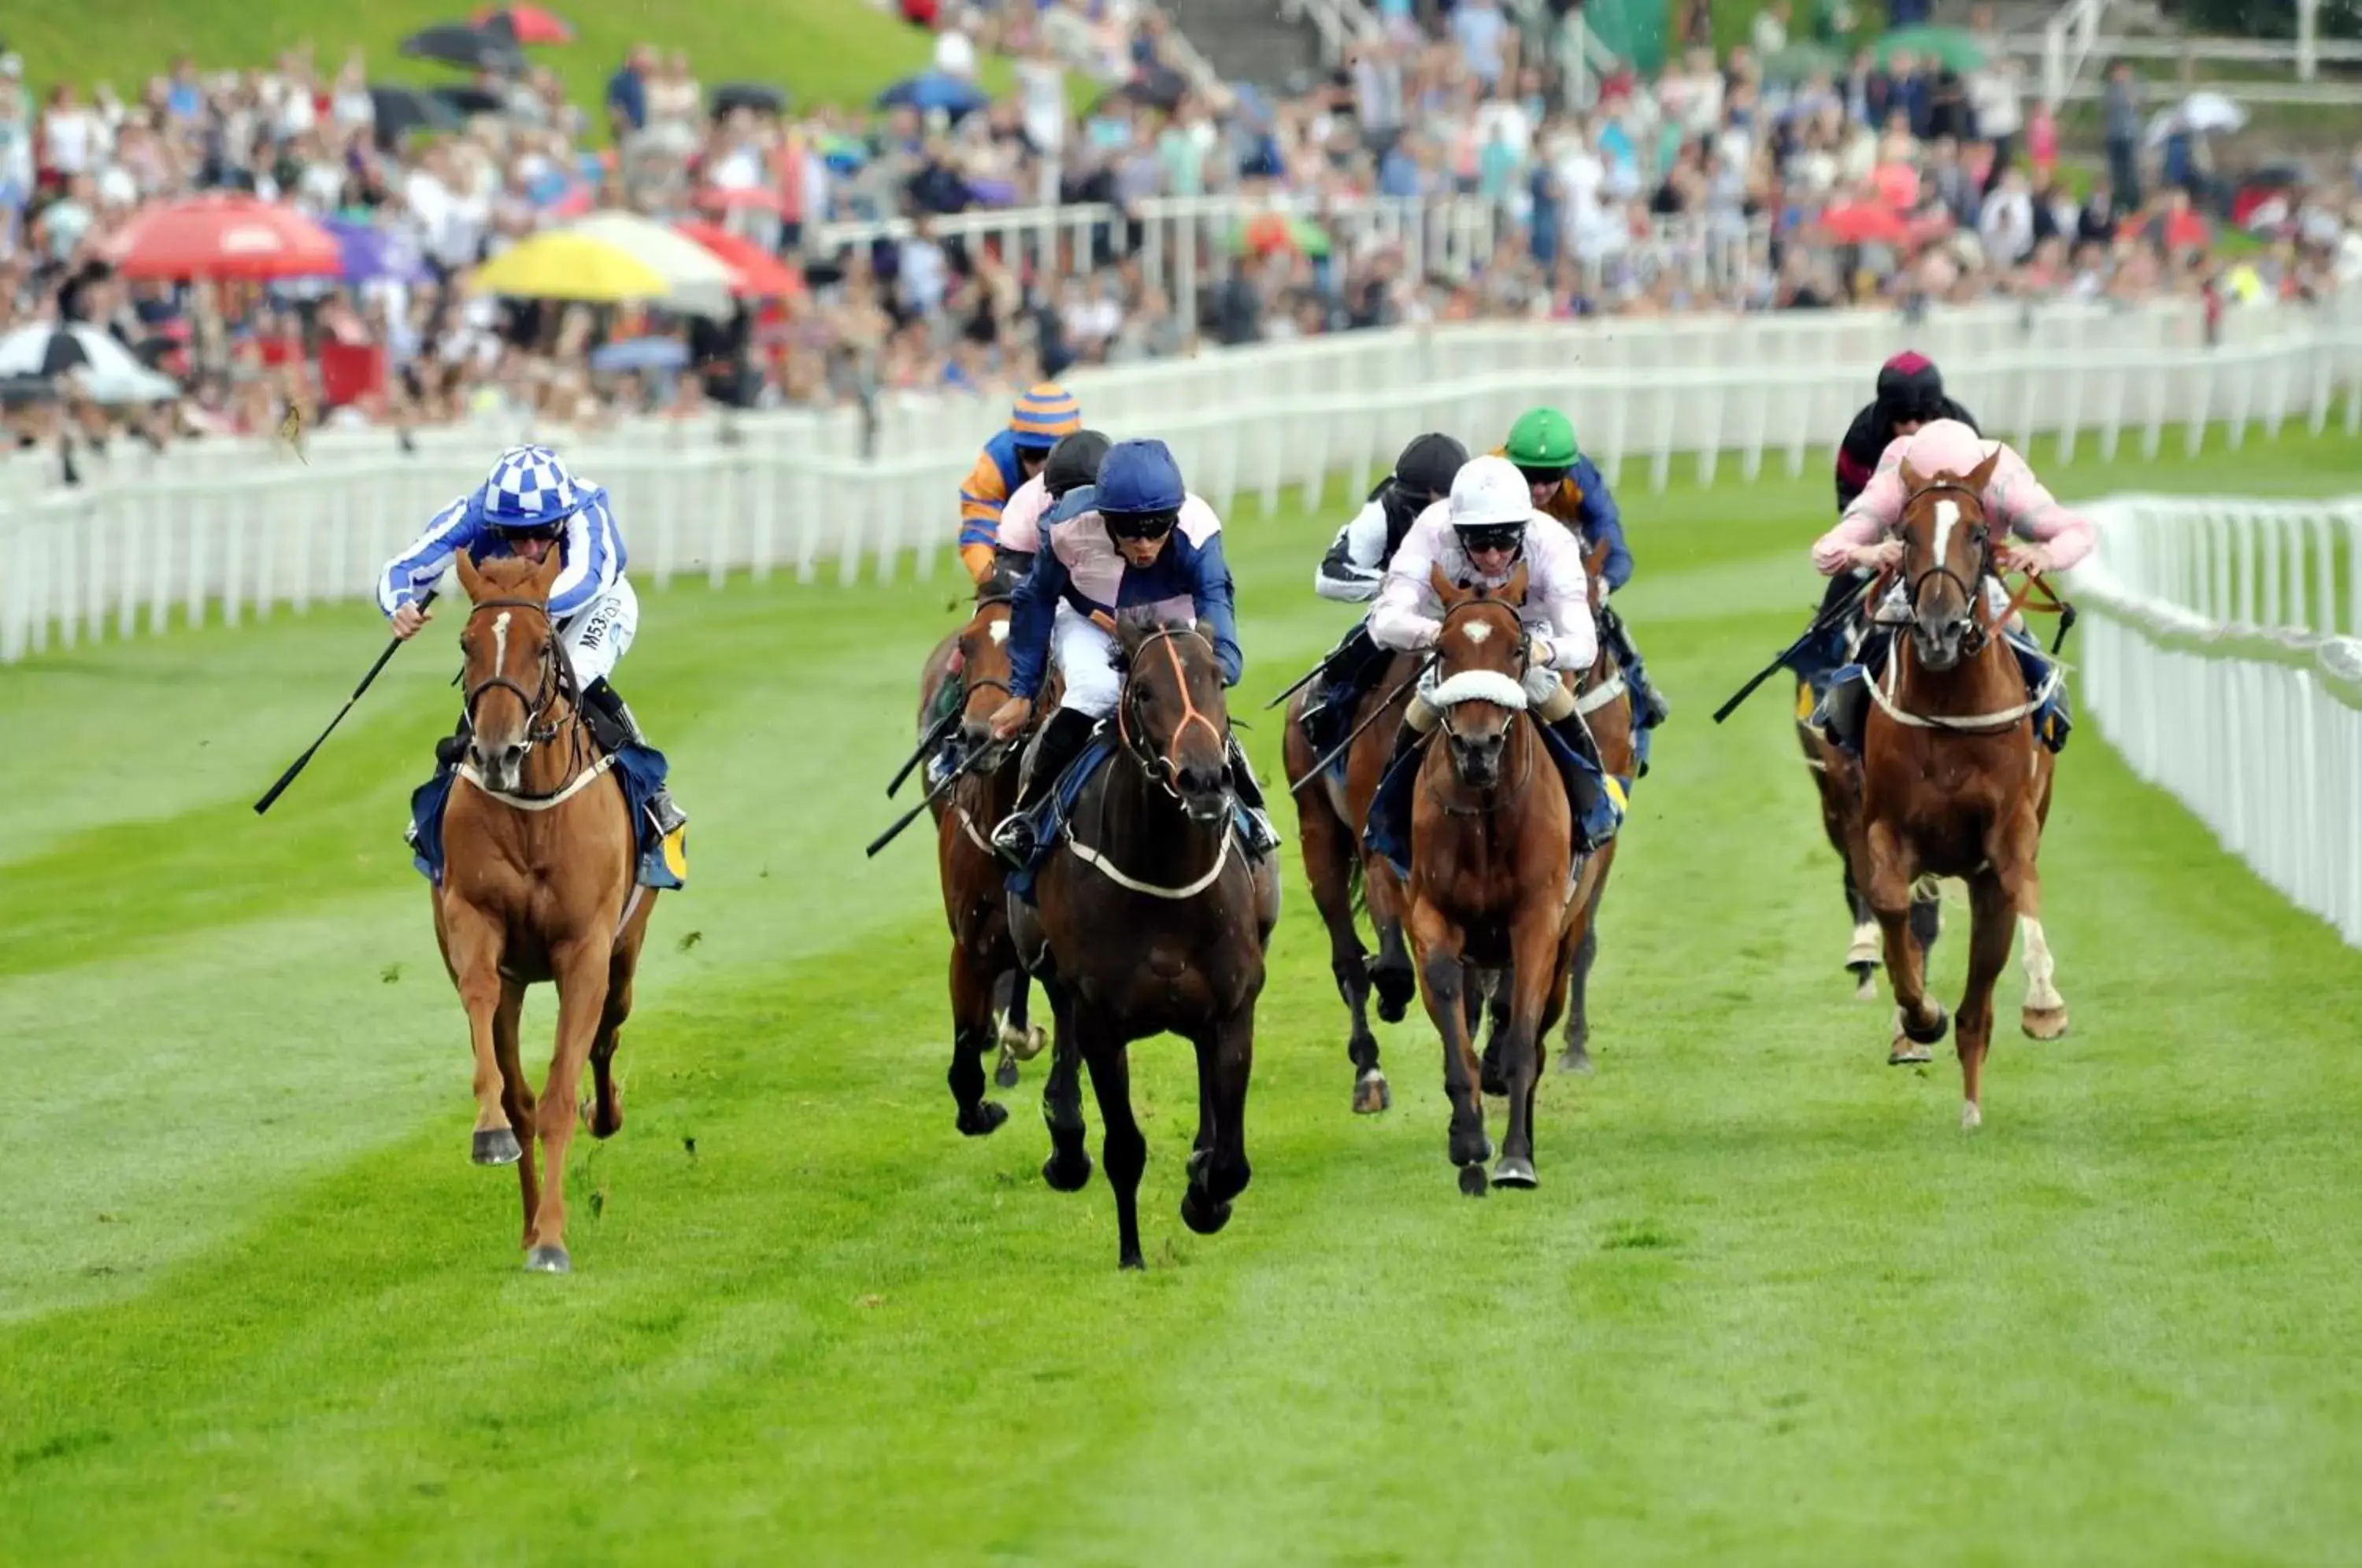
x=1342 y=747
x=299 y=764
x=931 y=796
x=927 y=743
x=1821 y=622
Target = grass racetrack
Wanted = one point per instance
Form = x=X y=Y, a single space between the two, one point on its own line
x=1769 y=1303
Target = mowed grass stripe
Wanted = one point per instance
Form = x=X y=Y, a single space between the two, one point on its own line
x=1767 y=1299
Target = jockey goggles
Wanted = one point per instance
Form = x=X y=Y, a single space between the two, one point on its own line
x=1487 y=536
x=1139 y=526
x=1543 y=476
x=549 y=530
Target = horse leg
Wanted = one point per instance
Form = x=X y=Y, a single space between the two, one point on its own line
x=1926 y=915
x=472 y=952
x=1329 y=854
x=606 y=1107
x=1122 y=1149
x=1021 y=1040
x=1068 y=1168
x=972 y=979
x=2044 y=1016
x=1838 y=808
x=1443 y=983
x=1536 y=940
x=516 y=1096
x=1577 y=1057
x=1219 y=1171
x=1919 y=1020
x=1488 y=1006
x=1390 y=971
x=1990 y=931
x=581 y=966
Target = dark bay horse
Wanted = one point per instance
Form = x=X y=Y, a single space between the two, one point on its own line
x=1954 y=783
x=540 y=884
x=974 y=900
x=1149 y=919
x=1836 y=778
x=1493 y=883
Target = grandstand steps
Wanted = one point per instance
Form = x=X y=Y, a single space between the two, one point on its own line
x=1248 y=40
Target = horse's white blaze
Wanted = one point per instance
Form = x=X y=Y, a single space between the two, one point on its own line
x=500 y=642
x=998 y=631
x=2040 y=994
x=1477 y=631
x=1947 y=517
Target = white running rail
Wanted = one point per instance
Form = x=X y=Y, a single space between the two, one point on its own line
x=234 y=529
x=2226 y=664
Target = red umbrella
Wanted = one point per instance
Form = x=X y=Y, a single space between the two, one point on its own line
x=759 y=274
x=529 y=24
x=225 y=236
x=1864 y=223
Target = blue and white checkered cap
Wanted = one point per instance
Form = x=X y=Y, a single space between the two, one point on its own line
x=529 y=488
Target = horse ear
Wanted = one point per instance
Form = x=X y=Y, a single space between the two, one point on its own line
x=1451 y=593
x=1911 y=478
x=1129 y=635
x=1596 y=562
x=545 y=576
x=1981 y=475
x=1514 y=590
x=471 y=581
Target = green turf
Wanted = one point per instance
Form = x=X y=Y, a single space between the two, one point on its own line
x=1769 y=1304
x=839 y=51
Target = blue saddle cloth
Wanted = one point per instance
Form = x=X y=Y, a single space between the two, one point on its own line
x=1057 y=808
x=1387 y=833
x=641 y=771
x=2053 y=721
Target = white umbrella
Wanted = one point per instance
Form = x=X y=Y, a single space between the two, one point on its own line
x=2201 y=114
x=697 y=281
x=104 y=369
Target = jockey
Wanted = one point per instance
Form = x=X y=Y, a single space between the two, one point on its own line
x=1073 y=463
x=2020 y=509
x=1044 y=413
x=1910 y=394
x=1569 y=487
x=1480 y=534
x=1136 y=543
x=1355 y=565
x=527 y=506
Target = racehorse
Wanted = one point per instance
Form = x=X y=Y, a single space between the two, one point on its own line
x=1837 y=779
x=972 y=876
x=1148 y=919
x=1493 y=883
x=1954 y=783
x=538 y=884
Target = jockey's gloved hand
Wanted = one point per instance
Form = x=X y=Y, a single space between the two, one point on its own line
x=1539 y=654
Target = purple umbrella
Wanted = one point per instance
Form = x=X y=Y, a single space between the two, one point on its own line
x=372 y=254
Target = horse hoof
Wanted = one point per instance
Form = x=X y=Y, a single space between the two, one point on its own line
x=549 y=1260
x=1371 y=1094
x=1574 y=1059
x=1024 y=1044
x=1512 y=1170
x=1970 y=1117
x=1865 y=982
x=1927 y=1033
x=982 y=1118
x=1068 y=1175
x=1395 y=988
x=1130 y=1261
x=1471 y=1181
x=496 y=1146
x=1201 y=1214
x=1005 y=1073
x=1902 y=1053
x=2044 y=1023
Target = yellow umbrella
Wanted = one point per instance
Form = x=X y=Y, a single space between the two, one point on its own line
x=561 y=265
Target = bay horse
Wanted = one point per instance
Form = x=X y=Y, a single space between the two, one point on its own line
x=1149 y=919
x=1837 y=779
x=1954 y=782
x=540 y=884
x=983 y=963
x=1492 y=881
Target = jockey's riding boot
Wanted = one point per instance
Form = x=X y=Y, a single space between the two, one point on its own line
x=1387 y=830
x=452 y=748
x=1596 y=815
x=1062 y=741
x=1262 y=837
x=1648 y=707
x=613 y=726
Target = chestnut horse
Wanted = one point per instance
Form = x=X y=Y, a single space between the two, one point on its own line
x=540 y=884
x=1149 y=919
x=1492 y=873
x=974 y=902
x=1954 y=783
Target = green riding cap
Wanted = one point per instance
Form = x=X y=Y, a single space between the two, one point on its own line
x=1542 y=438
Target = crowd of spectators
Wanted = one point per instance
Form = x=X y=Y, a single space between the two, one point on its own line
x=1780 y=174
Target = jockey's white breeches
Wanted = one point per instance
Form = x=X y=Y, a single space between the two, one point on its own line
x=598 y=635
x=1548 y=697
x=1085 y=656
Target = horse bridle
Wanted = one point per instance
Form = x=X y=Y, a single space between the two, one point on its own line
x=1525 y=633
x=972 y=684
x=1132 y=729
x=1973 y=638
x=556 y=676
x=1525 y=661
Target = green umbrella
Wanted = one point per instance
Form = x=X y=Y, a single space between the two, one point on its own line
x=1269 y=231
x=1948 y=46
x=1800 y=61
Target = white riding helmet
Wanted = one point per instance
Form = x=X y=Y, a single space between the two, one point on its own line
x=1490 y=492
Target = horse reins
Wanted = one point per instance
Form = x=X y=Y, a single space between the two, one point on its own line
x=1979 y=630
x=556 y=680
x=1524 y=660
x=1162 y=766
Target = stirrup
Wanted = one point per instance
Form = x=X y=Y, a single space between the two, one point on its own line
x=669 y=815
x=1013 y=838
x=1262 y=836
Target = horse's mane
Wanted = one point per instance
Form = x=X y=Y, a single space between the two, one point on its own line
x=507 y=572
